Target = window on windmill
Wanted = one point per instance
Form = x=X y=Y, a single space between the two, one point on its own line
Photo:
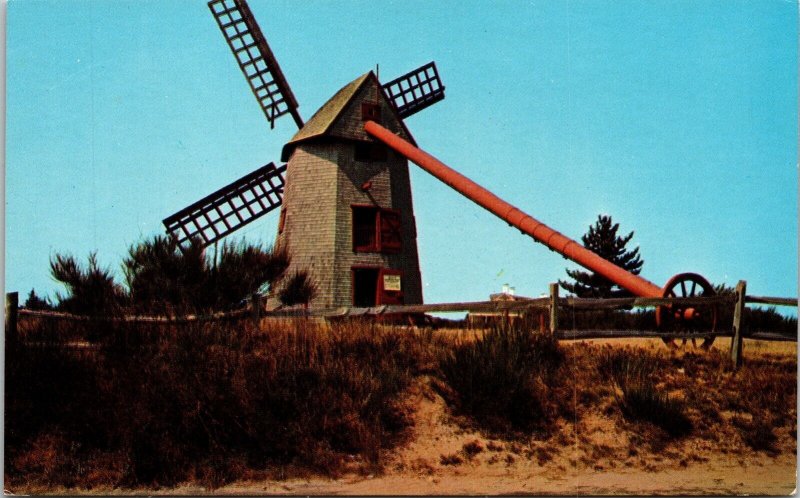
x=370 y=152
x=370 y=111
x=391 y=235
x=377 y=230
x=365 y=221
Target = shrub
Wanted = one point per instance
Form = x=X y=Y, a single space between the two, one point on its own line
x=634 y=372
x=243 y=269
x=91 y=290
x=207 y=402
x=757 y=434
x=162 y=277
x=298 y=289
x=502 y=378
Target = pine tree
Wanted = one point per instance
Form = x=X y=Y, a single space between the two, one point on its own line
x=34 y=302
x=602 y=239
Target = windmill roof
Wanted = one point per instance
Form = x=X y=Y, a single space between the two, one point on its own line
x=322 y=121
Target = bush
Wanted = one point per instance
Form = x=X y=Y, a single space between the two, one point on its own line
x=502 y=379
x=207 y=403
x=634 y=372
x=298 y=289
x=163 y=278
x=91 y=289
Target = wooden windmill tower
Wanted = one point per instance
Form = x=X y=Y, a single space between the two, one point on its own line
x=346 y=212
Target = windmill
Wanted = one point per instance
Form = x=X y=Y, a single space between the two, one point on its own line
x=346 y=212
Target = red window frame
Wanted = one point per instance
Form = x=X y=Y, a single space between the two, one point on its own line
x=390 y=236
x=387 y=232
x=362 y=241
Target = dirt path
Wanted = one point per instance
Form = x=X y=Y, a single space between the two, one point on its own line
x=716 y=478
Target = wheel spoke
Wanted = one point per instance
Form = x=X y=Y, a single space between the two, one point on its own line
x=702 y=320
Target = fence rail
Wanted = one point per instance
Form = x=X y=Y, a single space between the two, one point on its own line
x=255 y=311
x=775 y=301
x=136 y=318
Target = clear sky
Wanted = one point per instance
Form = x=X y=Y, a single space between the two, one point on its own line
x=679 y=119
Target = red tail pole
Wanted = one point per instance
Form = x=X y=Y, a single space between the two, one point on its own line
x=513 y=216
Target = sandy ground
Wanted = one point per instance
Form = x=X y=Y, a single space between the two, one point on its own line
x=501 y=468
x=593 y=458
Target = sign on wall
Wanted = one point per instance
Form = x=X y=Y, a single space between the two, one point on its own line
x=391 y=283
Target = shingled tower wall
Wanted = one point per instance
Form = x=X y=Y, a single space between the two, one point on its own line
x=325 y=180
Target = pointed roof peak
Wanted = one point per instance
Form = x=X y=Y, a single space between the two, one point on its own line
x=324 y=119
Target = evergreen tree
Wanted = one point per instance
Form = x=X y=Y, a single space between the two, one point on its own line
x=602 y=239
x=34 y=302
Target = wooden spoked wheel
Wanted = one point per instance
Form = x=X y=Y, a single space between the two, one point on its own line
x=690 y=323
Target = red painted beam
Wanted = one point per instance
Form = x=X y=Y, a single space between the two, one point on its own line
x=513 y=216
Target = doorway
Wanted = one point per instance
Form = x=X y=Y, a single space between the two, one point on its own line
x=365 y=287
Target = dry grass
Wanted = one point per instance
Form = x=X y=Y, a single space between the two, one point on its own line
x=505 y=380
x=207 y=403
x=211 y=404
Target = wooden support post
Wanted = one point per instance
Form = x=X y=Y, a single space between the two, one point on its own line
x=553 y=308
x=738 y=324
x=12 y=304
x=255 y=308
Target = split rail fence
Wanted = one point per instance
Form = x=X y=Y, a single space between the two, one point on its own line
x=550 y=305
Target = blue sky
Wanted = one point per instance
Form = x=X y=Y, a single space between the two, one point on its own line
x=679 y=119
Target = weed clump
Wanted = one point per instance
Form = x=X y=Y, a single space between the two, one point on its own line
x=758 y=434
x=641 y=399
x=503 y=379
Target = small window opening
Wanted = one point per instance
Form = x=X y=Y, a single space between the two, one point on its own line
x=370 y=111
x=365 y=222
x=369 y=152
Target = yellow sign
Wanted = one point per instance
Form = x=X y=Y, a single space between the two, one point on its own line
x=391 y=282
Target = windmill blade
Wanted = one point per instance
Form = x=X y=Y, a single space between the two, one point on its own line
x=416 y=90
x=229 y=208
x=256 y=60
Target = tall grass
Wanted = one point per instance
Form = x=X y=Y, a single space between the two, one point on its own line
x=207 y=403
x=634 y=372
x=503 y=379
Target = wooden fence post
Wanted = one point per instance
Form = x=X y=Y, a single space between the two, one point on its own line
x=553 y=308
x=738 y=323
x=255 y=308
x=12 y=304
